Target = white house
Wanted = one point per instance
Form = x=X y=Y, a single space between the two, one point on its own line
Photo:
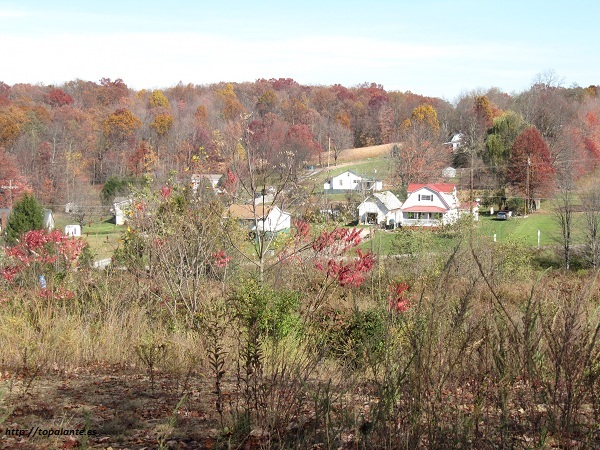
x=350 y=181
x=264 y=218
x=48 y=218
x=430 y=205
x=455 y=142
x=381 y=208
x=120 y=208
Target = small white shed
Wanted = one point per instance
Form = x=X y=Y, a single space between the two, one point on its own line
x=73 y=230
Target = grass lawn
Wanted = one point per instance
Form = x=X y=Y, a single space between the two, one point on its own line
x=378 y=168
x=525 y=228
x=101 y=235
x=103 y=238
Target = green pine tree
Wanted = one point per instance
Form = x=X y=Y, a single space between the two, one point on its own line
x=26 y=215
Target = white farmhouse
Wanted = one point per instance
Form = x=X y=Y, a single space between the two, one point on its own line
x=48 y=219
x=430 y=205
x=381 y=208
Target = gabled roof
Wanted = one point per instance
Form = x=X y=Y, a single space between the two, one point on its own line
x=248 y=212
x=389 y=200
x=446 y=188
x=353 y=173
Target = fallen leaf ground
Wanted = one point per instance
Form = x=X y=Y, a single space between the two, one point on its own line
x=116 y=404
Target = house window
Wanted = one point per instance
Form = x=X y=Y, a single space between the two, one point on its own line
x=355 y=181
x=341 y=182
x=426 y=198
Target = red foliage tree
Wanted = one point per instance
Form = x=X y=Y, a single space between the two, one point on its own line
x=58 y=97
x=302 y=144
x=111 y=92
x=530 y=166
x=12 y=183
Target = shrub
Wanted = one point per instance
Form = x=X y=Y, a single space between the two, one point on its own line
x=273 y=314
x=26 y=215
x=356 y=338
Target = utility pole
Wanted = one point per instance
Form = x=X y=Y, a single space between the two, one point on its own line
x=471 y=195
x=10 y=188
x=328 y=151
x=328 y=178
x=527 y=184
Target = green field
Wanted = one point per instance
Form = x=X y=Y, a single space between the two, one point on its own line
x=520 y=228
x=103 y=238
x=101 y=235
x=525 y=228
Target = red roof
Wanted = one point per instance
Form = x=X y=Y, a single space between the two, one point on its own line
x=419 y=208
x=438 y=187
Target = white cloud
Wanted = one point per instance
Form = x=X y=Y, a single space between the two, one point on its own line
x=8 y=13
x=152 y=60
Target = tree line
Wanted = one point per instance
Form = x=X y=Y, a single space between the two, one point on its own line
x=55 y=140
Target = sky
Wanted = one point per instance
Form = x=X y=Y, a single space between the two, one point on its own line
x=436 y=48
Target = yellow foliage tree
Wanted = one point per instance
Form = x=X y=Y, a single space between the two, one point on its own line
x=120 y=125
x=426 y=115
x=12 y=120
x=158 y=100
x=232 y=107
x=162 y=123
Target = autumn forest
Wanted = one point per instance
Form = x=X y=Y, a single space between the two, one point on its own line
x=57 y=140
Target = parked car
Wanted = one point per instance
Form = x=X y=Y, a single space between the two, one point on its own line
x=503 y=215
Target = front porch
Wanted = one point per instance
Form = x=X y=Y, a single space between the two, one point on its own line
x=422 y=223
x=422 y=219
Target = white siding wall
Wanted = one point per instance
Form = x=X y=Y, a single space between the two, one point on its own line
x=346 y=181
x=277 y=220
